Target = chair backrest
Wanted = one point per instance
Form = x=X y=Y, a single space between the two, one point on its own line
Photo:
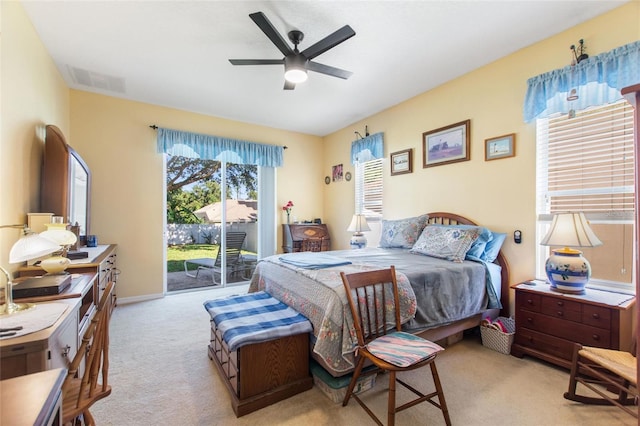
x=235 y=241
x=311 y=244
x=373 y=300
x=94 y=349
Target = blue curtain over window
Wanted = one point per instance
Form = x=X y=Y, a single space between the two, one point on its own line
x=598 y=81
x=206 y=147
x=367 y=149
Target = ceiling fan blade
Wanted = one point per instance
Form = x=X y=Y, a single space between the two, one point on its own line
x=265 y=25
x=329 y=41
x=257 y=61
x=326 y=69
x=289 y=85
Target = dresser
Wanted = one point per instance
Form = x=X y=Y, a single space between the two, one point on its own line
x=548 y=323
x=34 y=399
x=294 y=234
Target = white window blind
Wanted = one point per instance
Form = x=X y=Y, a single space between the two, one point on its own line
x=585 y=163
x=368 y=188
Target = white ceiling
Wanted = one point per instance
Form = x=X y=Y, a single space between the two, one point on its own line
x=175 y=53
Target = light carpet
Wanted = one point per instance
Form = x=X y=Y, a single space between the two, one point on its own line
x=161 y=375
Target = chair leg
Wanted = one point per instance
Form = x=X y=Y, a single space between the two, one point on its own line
x=443 y=402
x=391 y=404
x=354 y=380
x=573 y=383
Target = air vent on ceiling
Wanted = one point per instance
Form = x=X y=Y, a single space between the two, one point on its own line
x=96 y=80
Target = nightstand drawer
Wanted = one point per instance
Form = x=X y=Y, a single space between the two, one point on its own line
x=528 y=301
x=585 y=334
x=554 y=346
x=596 y=316
x=561 y=308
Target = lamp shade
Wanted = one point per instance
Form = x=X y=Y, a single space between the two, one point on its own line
x=62 y=237
x=570 y=230
x=567 y=270
x=358 y=224
x=31 y=246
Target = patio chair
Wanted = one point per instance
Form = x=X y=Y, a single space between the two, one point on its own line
x=235 y=241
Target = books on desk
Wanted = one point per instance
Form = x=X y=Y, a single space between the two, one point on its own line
x=41 y=286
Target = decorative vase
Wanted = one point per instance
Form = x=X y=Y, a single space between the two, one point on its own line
x=568 y=271
x=288 y=222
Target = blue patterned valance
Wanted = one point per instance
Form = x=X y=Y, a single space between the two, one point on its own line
x=598 y=81
x=367 y=149
x=195 y=145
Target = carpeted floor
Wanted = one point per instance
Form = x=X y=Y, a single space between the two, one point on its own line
x=161 y=375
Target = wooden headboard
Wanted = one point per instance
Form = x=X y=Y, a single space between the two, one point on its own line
x=442 y=218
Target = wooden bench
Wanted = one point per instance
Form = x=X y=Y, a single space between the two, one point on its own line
x=260 y=374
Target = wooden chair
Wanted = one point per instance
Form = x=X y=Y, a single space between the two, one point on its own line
x=612 y=370
x=80 y=393
x=235 y=241
x=311 y=244
x=371 y=319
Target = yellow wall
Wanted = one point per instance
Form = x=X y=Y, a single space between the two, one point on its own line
x=113 y=136
x=32 y=94
x=500 y=193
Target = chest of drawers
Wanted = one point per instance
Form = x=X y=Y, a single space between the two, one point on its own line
x=549 y=323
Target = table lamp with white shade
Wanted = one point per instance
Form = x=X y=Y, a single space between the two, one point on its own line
x=567 y=270
x=59 y=234
x=29 y=246
x=358 y=225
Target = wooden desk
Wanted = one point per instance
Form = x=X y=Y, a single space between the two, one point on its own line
x=54 y=346
x=34 y=399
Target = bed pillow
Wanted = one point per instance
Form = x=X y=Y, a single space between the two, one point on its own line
x=493 y=247
x=402 y=233
x=445 y=242
x=477 y=249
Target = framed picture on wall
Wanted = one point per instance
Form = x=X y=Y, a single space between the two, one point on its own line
x=336 y=172
x=449 y=144
x=500 y=147
x=401 y=162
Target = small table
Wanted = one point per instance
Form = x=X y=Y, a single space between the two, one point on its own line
x=34 y=399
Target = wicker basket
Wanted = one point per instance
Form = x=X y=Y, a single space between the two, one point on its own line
x=496 y=339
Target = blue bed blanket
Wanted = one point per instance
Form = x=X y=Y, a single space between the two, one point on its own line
x=313 y=260
x=254 y=318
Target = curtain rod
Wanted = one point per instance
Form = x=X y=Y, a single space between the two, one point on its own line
x=154 y=127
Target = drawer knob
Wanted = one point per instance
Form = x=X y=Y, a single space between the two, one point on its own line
x=66 y=351
x=560 y=313
x=529 y=301
x=529 y=320
x=595 y=337
x=595 y=316
x=560 y=303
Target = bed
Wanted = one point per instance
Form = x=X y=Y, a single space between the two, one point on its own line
x=439 y=298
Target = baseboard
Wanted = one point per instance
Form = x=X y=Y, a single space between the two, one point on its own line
x=136 y=299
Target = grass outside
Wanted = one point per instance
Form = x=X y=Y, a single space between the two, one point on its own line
x=176 y=255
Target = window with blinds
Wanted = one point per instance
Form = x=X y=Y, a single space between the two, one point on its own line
x=585 y=163
x=368 y=189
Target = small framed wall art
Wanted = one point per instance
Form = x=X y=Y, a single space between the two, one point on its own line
x=446 y=145
x=336 y=172
x=401 y=162
x=500 y=147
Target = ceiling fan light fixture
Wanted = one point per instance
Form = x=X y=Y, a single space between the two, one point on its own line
x=295 y=75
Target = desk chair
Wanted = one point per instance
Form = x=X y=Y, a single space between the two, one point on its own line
x=390 y=350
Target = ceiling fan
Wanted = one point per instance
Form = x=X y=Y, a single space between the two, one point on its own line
x=296 y=63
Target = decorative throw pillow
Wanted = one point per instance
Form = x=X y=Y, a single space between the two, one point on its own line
x=477 y=250
x=402 y=233
x=445 y=243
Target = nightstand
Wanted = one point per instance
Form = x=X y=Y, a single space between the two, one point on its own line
x=548 y=323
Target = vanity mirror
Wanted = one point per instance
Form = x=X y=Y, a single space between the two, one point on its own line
x=66 y=182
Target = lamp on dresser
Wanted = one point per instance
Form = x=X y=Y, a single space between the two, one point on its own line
x=567 y=270
x=29 y=246
x=58 y=233
x=358 y=225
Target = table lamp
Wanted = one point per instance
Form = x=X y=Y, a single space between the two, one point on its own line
x=29 y=246
x=58 y=233
x=567 y=270
x=357 y=226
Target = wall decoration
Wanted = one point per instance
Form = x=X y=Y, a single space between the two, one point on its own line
x=401 y=162
x=445 y=145
x=500 y=147
x=337 y=173
x=327 y=180
x=347 y=176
